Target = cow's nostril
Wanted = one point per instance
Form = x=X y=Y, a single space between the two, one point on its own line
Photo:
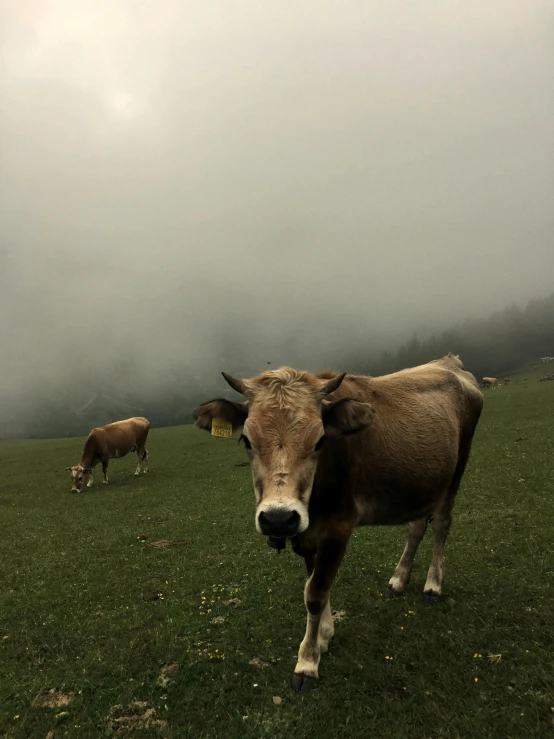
x=279 y=522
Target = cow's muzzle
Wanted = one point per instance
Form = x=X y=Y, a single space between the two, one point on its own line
x=279 y=522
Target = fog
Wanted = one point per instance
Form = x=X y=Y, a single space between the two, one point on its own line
x=195 y=187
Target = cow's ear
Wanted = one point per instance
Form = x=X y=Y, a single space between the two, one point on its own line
x=223 y=410
x=346 y=416
x=69 y=468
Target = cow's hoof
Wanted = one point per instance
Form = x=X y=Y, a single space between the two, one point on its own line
x=304 y=683
x=391 y=593
x=430 y=597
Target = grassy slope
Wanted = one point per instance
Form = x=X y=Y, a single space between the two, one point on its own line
x=72 y=616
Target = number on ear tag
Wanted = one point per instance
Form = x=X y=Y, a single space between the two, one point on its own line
x=222 y=428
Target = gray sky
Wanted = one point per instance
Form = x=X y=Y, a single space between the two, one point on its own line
x=298 y=176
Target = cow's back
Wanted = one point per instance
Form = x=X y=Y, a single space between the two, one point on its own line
x=411 y=451
x=121 y=437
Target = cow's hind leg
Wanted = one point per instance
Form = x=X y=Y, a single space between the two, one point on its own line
x=442 y=520
x=142 y=457
x=401 y=576
x=319 y=621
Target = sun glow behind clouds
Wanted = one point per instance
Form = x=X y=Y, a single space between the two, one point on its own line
x=124 y=104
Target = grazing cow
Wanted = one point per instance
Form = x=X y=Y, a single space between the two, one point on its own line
x=111 y=442
x=491 y=382
x=330 y=452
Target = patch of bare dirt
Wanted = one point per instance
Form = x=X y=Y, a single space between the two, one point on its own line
x=168 y=543
x=153 y=595
x=218 y=620
x=167 y=673
x=137 y=715
x=52 y=699
x=257 y=662
x=232 y=602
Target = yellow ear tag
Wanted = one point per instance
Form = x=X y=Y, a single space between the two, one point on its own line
x=222 y=428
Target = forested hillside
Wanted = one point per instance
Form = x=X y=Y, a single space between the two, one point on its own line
x=493 y=345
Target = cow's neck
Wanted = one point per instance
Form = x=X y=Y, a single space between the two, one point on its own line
x=87 y=460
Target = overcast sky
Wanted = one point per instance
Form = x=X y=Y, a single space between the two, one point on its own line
x=306 y=174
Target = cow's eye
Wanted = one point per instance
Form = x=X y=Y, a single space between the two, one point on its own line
x=246 y=441
x=80 y=478
x=319 y=444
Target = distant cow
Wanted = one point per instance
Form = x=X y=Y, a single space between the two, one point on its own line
x=507 y=381
x=330 y=452
x=111 y=442
x=491 y=382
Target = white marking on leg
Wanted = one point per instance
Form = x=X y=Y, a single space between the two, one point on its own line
x=398 y=582
x=432 y=584
x=90 y=483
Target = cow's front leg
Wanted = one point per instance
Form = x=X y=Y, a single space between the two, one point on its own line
x=139 y=462
x=319 y=626
x=326 y=627
x=105 y=471
x=87 y=477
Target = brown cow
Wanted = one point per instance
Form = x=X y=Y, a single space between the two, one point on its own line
x=111 y=442
x=491 y=382
x=330 y=452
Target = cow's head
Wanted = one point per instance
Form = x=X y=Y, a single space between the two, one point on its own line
x=79 y=476
x=285 y=423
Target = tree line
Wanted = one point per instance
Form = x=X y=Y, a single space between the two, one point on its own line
x=492 y=346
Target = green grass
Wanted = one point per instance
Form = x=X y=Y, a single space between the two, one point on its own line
x=73 y=617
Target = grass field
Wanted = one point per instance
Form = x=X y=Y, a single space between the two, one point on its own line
x=74 y=616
